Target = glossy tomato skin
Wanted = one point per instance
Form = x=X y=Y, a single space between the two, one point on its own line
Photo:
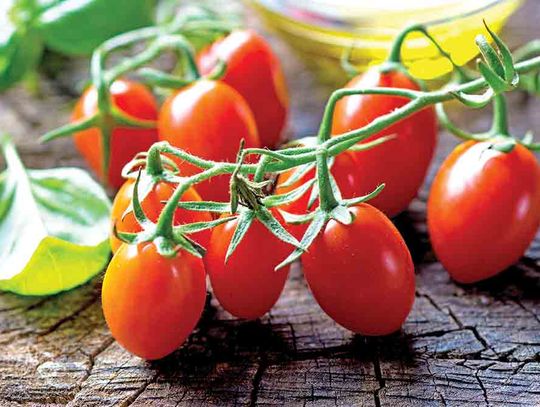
x=400 y=163
x=255 y=72
x=135 y=100
x=152 y=205
x=208 y=119
x=362 y=274
x=483 y=210
x=346 y=175
x=247 y=286
x=151 y=303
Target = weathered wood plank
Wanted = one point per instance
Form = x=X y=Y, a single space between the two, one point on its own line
x=461 y=345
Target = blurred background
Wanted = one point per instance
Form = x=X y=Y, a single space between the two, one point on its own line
x=320 y=31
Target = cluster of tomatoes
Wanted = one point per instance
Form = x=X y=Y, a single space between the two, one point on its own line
x=483 y=210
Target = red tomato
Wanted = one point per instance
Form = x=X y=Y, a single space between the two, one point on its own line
x=133 y=99
x=255 y=72
x=362 y=274
x=483 y=210
x=152 y=303
x=247 y=285
x=152 y=205
x=400 y=163
x=208 y=119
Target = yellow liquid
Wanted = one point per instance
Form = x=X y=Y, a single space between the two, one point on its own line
x=322 y=47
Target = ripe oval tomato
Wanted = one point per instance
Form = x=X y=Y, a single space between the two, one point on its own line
x=362 y=274
x=208 y=119
x=135 y=100
x=483 y=210
x=247 y=285
x=400 y=163
x=152 y=205
x=151 y=303
x=255 y=72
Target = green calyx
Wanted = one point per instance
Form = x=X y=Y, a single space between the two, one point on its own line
x=248 y=199
x=150 y=169
x=497 y=69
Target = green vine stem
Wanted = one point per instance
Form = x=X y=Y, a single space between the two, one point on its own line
x=446 y=122
x=500 y=117
x=498 y=75
x=342 y=142
x=394 y=60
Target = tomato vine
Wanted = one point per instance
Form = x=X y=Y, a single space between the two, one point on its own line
x=498 y=74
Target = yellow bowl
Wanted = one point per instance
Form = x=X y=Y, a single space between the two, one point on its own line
x=320 y=30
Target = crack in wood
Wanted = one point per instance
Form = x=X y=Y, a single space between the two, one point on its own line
x=257 y=379
x=69 y=317
x=380 y=380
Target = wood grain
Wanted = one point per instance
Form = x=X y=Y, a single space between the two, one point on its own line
x=461 y=345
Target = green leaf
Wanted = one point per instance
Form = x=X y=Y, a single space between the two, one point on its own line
x=244 y=222
x=20 y=45
x=77 y=27
x=313 y=230
x=54 y=227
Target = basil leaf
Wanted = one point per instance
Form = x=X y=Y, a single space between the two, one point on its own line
x=54 y=227
x=77 y=27
x=20 y=46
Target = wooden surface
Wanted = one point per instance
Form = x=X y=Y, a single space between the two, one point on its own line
x=461 y=345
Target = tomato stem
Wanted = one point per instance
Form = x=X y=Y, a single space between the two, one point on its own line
x=327 y=199
x=394 y=60
x=164 y=226
x=157 y=78
x=106 y=127
x=500 y=116
x=154 y=166
x=445 y=121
